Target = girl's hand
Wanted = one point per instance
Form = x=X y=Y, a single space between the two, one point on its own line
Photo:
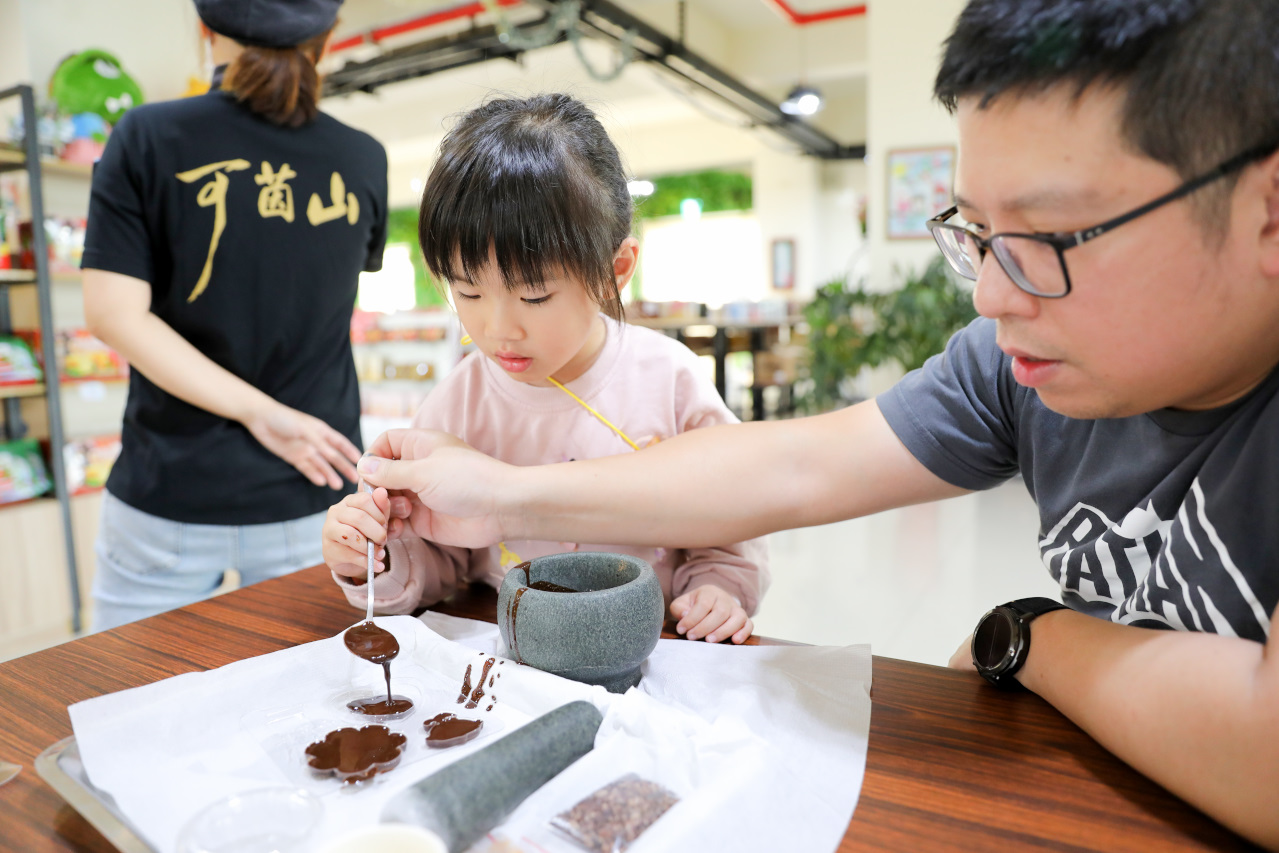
x=307 y=443
x=451 y=488
x=349 y=526
x=713 y=613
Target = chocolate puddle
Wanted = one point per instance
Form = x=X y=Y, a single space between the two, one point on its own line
x=356 y=755
x=376 y=706
x=445 y=730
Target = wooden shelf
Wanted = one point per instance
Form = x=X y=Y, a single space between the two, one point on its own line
x=33 y=390
x=10 y=160
x=29 y=502
x=105 y=380
x=65 y=169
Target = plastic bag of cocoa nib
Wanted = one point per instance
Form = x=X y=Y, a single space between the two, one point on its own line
x=609 y=820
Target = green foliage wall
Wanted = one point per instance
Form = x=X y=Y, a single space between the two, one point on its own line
x=715 y=189
x=401 y=227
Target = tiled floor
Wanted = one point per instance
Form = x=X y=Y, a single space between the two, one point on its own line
x=911 y=582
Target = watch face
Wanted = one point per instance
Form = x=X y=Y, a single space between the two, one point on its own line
x=993 y=640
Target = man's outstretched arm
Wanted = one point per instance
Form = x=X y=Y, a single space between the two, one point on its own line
x=700 y=489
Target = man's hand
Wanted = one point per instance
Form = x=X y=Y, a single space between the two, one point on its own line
x=963 y=656
x=713 y=613
x=307 y=443
x=452 y=487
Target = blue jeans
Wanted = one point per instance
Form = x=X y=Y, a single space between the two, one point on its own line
x=147 y=564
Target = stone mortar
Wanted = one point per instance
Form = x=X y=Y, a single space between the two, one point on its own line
x=598 y=635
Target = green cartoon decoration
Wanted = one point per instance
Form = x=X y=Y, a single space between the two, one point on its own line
x=93 y=81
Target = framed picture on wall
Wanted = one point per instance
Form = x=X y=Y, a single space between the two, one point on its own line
x=919 y=188
x=784 y=264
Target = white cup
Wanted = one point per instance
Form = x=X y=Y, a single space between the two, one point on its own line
x=387 y=838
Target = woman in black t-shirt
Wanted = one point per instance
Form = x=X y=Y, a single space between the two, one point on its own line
x=225 y=239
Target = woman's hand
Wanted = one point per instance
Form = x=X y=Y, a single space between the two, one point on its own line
x=451 y=487
x=307 y=443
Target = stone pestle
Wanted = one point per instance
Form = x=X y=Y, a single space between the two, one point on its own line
x=465 y=800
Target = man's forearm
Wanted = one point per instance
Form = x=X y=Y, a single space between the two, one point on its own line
x=1198 y=713
x=725 y=484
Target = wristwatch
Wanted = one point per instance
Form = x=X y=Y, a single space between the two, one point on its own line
x=1002 y=639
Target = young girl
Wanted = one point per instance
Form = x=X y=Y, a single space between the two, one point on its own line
x=527 y=216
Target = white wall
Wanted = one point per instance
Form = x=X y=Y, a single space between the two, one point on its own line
x=157 y=41
x=905 y=49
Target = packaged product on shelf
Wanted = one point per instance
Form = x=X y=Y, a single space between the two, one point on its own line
x=23 y=474
x=82 y=356
x=88 y=462
x=65 y=237
x=64 y=244
x=18 y=363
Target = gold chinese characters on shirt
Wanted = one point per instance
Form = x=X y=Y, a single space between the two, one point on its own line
x=275 y=200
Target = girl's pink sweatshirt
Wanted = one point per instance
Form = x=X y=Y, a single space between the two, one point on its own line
x=648 y=385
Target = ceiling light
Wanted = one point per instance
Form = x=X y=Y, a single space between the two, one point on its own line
x=802 y=101
x=639 y=188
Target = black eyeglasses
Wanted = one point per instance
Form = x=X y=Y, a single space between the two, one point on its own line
x=1037 y=262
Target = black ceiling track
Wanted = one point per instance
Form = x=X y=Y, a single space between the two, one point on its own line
x=476 y=45
x=610 y=22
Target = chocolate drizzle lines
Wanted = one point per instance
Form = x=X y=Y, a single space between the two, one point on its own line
x=466 y=685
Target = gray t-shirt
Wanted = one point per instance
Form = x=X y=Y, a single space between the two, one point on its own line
x=1164 y=520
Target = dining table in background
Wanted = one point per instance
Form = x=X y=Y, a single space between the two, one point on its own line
x=952 y=764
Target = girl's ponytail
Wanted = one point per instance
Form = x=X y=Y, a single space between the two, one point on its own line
x=280 y=84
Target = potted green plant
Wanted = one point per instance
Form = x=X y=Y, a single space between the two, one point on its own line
x=851 y=328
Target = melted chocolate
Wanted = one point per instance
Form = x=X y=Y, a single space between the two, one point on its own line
x=474 y=697
x=466 y=685
x=444 y=730
x=356 y=755
x=513 y=610
x=373 y=644
x=547 y=586
x=478 y=693
x=376 y=706
x=513 y=603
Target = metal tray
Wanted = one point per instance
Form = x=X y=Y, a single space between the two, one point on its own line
x=60 y=766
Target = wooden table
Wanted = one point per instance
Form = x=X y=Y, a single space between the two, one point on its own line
x=953 y=764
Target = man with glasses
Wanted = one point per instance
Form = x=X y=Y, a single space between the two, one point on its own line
x=1117 y=206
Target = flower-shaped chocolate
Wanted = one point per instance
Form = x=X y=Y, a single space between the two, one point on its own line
x=356 y=755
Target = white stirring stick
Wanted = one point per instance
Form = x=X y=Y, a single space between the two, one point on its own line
x=368 y=589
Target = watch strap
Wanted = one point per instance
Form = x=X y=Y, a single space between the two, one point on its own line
x=1029 y=608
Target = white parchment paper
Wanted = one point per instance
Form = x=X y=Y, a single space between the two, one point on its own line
x=765 y=745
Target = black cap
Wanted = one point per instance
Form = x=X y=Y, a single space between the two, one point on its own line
x=268 y=23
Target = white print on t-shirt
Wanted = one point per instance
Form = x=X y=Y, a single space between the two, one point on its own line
x=1144 y=569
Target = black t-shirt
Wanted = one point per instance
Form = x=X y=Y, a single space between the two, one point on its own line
x=1161 y=520
x=252 y=237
